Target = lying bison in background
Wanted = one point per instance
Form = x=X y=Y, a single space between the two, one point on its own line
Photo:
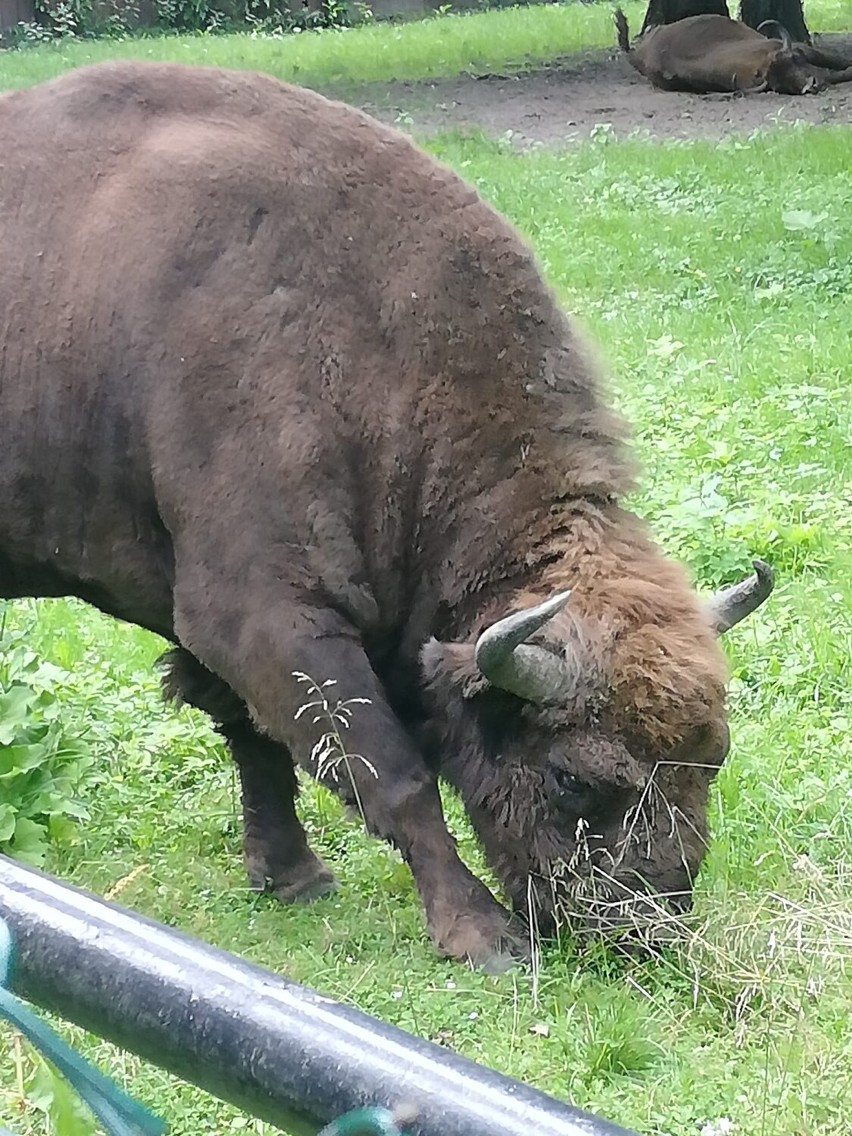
x=281 y=388
x=713 y=53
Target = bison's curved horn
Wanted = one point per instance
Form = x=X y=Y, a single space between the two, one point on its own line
x=772 y=29
x=531 y=673
x=730 y=605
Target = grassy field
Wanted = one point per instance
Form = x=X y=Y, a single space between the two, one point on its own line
x=717 y=279
x=512 y=37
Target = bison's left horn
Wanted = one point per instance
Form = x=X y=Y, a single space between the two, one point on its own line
x=730 y=605
x=772 y=29
x=532 y=673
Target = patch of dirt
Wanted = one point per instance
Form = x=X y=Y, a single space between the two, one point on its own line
x=565 y=101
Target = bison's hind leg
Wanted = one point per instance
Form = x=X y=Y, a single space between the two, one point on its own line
x=276 y=853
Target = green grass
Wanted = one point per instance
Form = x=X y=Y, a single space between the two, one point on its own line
x=717 y=279
x=428 y=49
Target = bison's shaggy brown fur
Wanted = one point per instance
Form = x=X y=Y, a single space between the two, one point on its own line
x=281 y=388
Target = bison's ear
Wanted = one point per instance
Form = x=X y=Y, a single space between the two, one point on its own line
x=452 y=666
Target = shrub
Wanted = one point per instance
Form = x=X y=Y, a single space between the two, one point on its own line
x=43 y=771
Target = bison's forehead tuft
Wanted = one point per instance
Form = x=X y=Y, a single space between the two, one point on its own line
x=652 y=672
x=667 y=685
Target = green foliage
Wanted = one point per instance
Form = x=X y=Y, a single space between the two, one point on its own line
x=51 y=1095
x=74 y=19
x=118 y=19
x=65 y=17
x=269 y=17
x=25 y=34
x=43 y=772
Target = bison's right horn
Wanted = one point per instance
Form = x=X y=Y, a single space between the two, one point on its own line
x=730 y=605
x=773 y=30
x=532 y=673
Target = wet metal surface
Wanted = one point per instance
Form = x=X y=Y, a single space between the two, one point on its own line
x=274 y=1048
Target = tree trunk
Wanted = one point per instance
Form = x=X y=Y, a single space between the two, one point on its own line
x=788 y=13
x=670 y=11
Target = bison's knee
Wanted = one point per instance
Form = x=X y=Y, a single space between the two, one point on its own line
x=186 y=680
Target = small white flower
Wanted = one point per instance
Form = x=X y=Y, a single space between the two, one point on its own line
x=396 y=995
x=721 y=1127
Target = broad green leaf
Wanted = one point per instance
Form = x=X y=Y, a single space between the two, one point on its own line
x=28 y=843
x=8 y=816
x=802 y=220
x=15 y=707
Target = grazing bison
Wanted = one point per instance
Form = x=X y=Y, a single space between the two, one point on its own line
x=714 y=53
x=279 y=387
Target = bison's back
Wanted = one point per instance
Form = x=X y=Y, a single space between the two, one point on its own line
x=225 y=300
x=139 y=149
x=698 y=38
x=205 y=207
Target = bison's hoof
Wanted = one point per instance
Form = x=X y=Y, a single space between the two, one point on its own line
x=299 y=884
x=492 y=946
x=502 y=957
x=323 y=884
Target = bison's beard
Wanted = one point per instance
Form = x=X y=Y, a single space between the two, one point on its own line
x=593 y=896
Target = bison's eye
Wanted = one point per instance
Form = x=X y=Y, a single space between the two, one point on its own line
x=569 y=790
x=567 y=782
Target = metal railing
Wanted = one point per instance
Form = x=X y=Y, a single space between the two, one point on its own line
x=276 y=1049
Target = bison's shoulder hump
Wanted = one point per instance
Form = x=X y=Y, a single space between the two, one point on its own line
x=125 y=95
x=229 y=119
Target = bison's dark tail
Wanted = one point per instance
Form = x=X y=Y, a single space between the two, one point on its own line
x=621 y=30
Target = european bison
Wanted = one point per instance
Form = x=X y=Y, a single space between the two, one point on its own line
x=714 y=53
x=283 y=389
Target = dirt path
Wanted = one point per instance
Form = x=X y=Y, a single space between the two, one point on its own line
x=565 y=101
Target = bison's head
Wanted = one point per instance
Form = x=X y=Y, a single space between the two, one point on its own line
x=584 y=747
x=787 y=69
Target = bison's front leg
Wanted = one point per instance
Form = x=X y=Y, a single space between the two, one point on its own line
x=265 y=655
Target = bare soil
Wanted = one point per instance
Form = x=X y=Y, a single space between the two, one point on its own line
x=565 y=101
